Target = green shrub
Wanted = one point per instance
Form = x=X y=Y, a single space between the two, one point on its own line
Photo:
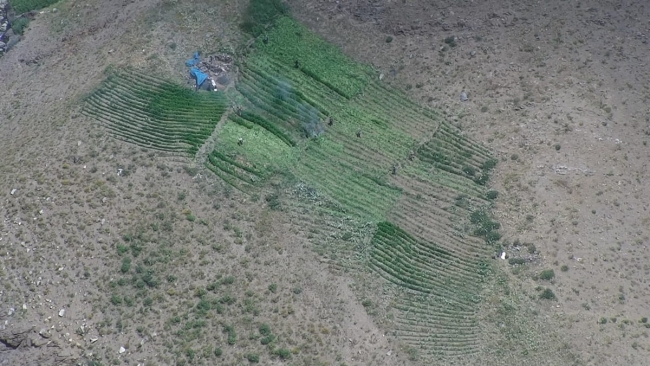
x=122 y=249
x=451 y=41
x=491 y=195
x=564 y=268
x=126 y=265
x=116 y=300
x=273 y=201
x=547 y=275
x=389 y=39
x=283 y=353
x=547 y=294
x=19 y=25
x=265 y=329
x=268 y=339
x=253 y=357
x=273 y=287
x=515 y=261
x=489 y=165
x=218 y=352
x=232 y=335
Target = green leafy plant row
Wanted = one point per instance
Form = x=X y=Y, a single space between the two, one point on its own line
x=153 y=113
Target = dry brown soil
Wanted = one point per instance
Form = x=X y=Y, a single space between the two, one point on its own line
x=558 y=90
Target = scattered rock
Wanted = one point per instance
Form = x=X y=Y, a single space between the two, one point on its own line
x=13 y=191
x=16 y=338
x=122 y=350
x=463 y=97
x=62 y=312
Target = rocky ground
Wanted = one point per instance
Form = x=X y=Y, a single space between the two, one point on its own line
x=559 y=91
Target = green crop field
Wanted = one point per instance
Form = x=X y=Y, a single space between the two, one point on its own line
x=331 y=128
x=155 y=114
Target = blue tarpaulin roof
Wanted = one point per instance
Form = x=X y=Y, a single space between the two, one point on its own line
x=194 y=60
x=198 y=75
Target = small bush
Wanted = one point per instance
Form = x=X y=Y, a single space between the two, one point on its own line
x=297 y=290
x=491 y=195
x=253 y=357
x=547 y=294
x=283 y=353
x=366 y=303
x=232 y=335
x=191 y=170
x=558 y=147
x=516 y=261
x=126 y=265
x=273 y=287
x=547 y=275
x=564 y=268
x=273 y=200
x=451 y=41
x=116 y=300
x=19 y=25
x=389 y=39
x=218 y=352
x=265 y=329
x=602 y=320
x=489 y=165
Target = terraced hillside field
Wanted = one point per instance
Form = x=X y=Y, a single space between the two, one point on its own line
x=330 y=126
x=150 y=113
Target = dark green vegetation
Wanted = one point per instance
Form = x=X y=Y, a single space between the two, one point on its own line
x=547 y=294
x=547 y=275
x=155 y=114
x=20 y=25
x=24 y=6
x=261 y=14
